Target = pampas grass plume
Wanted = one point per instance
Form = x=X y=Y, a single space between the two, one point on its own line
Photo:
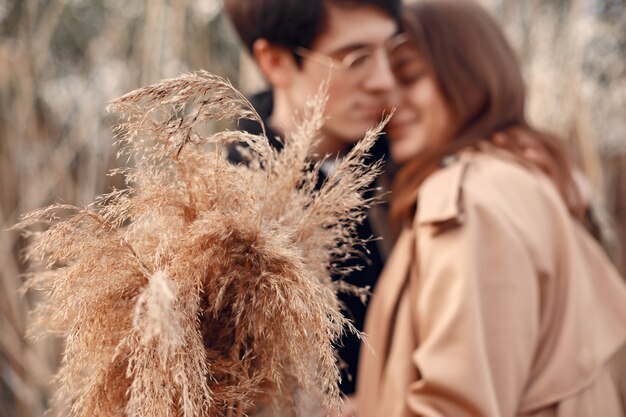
x=204 y=288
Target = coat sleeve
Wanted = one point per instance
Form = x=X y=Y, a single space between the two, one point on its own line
x=476 y=317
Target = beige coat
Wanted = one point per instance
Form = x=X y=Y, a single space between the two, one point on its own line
x=495 y=303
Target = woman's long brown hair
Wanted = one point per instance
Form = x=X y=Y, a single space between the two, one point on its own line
x=480 y=78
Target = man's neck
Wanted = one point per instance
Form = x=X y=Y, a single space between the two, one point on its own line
x=282 y=120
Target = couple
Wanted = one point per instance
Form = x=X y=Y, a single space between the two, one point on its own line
x=495 y=300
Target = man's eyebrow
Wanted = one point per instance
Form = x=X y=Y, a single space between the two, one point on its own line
x=348 y=48
x=356 y=45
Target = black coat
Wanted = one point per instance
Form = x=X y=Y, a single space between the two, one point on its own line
x=371 y=263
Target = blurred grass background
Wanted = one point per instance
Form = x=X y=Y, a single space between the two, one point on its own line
x=61 y=61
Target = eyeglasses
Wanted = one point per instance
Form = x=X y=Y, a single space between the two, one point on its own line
x=355 y=61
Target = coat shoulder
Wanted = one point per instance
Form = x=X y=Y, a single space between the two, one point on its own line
x=489 y=179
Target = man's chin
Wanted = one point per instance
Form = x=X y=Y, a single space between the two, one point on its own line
x=351 y=131
x=357 y=136
x=358 y=130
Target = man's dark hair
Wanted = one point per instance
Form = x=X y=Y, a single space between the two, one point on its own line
x=291 y=23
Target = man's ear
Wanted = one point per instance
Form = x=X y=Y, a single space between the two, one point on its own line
x=276 y=63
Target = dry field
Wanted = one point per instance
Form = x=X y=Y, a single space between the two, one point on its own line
x=61 y=61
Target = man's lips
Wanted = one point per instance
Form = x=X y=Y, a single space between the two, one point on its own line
x=398 y=126
x=374 y=111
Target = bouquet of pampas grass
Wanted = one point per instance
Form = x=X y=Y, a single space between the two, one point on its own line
x=204 y=288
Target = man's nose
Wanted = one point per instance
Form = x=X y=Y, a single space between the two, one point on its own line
x=380 y=78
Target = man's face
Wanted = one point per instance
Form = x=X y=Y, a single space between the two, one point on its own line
x=357 y=97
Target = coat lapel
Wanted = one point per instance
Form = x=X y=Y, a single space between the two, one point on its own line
x=384 y=303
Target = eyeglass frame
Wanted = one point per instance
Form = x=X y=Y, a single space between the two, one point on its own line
x=348 y=61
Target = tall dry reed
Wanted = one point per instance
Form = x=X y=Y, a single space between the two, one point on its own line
x=204 y=288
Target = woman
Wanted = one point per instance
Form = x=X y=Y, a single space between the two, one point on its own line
x=496 y=301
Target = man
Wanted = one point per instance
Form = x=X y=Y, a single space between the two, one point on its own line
x=300 y=44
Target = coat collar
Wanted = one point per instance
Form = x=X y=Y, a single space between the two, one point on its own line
x=439 y=197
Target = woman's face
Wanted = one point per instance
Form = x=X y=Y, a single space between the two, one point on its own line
x=423 y=118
